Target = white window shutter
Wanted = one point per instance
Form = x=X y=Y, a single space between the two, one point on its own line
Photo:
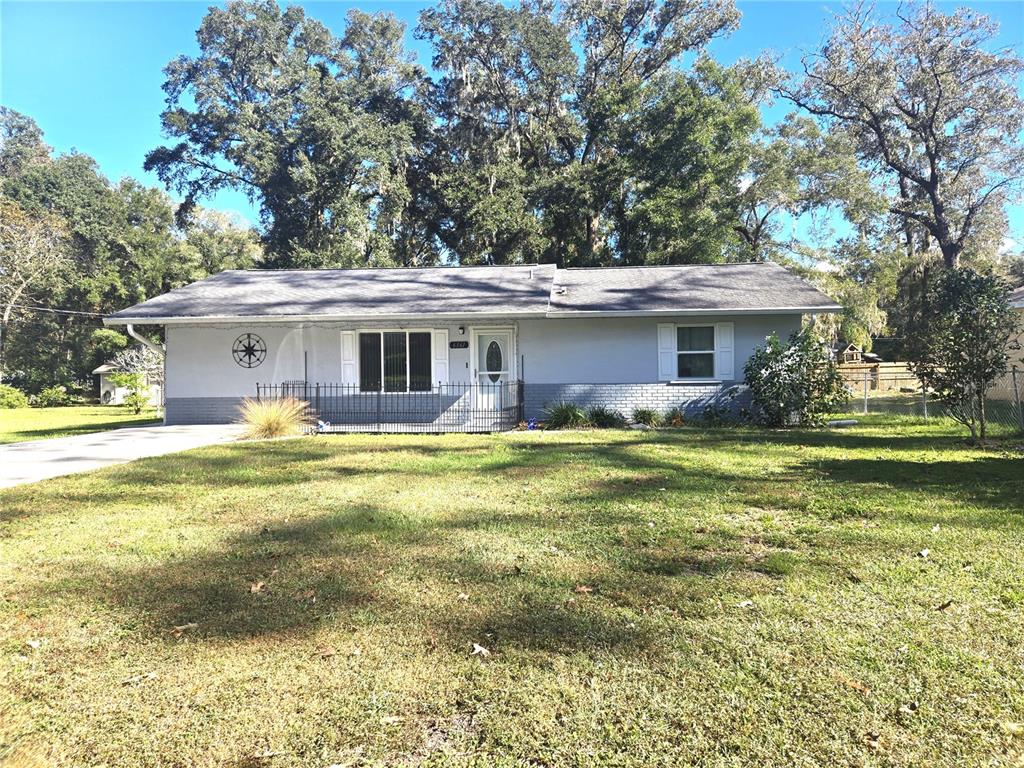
x=724 y=355
x=349 y=369
x=441 y=357
x=667 y=352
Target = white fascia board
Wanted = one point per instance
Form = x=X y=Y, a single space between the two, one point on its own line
x=830 y=308
x=464 y=316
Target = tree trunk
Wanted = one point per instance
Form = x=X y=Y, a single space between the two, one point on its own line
x=981 y=414
x=5 y=320
x=593 y=222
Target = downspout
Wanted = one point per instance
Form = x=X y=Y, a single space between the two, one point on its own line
x=159 y=349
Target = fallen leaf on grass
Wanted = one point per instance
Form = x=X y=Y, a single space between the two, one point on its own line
x=257 y=586
x=923 y=553
x=34 y=644
x=1014 y=729
x=181 y=629
x=909 y=709
x=479 y=650
x=583 y=589
x=745 y=604
x=325 y=652
x=856 y=685
x=854 y=577
x=935 y=528
x=943 y=606
x=463 y=596
x=306 y=594
x=139 y=678
x=872 y=739
x=391 y=720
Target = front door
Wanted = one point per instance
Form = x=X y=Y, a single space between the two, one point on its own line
x=493 y=366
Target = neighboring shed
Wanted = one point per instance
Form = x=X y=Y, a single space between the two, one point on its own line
x=111 y=394
x=851 y=353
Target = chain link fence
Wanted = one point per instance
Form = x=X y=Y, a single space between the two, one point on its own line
x=893 y=389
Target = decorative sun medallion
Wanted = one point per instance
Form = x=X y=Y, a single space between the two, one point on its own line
x=249 y=350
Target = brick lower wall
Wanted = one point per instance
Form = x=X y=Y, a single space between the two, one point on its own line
x=692 y=398
x=201 y=410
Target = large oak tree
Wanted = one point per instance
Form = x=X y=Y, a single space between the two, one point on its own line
x=932 y=105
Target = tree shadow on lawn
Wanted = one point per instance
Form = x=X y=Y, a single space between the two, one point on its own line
x=993 y=483
x=364 y=562
x=354 y=569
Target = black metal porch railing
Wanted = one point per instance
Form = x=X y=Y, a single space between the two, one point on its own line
x=443 y=408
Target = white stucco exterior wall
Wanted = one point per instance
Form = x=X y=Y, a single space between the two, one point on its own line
x=624 y=350
x=199 y=361
x=549 y=351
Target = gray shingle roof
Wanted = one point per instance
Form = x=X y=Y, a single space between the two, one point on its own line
x=355 y=293
x=491 y=291
x=688 y=288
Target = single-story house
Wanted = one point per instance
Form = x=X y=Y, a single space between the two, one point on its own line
x=111 y=394
x=459 y=344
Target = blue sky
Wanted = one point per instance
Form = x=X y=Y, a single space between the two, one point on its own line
x=90 y=72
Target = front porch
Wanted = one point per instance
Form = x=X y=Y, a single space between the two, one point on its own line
x=442 y=408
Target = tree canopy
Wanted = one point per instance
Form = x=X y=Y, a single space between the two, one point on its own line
x=101 y=247
x=584 y=132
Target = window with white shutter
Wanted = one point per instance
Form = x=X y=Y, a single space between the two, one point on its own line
x=695 y=352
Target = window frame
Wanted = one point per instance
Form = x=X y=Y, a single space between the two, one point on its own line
x=713 y=352
x=382 y=390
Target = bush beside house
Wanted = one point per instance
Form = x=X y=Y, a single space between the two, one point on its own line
x=795 y=384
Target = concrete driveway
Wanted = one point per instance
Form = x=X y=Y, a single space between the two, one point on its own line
x=42 y=459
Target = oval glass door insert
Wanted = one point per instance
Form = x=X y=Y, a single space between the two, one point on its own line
x=493 y=360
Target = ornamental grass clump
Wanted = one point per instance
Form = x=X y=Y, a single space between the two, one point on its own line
x=674 y=417
x=646 y=416
x=605 y=418
x=265 y=419
x=565 y=416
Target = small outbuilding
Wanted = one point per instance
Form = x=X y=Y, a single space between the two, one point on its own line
x=111 y=394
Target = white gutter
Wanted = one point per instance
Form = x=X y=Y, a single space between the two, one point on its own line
x=569 y=314
x=193 y=319
x=158 y=348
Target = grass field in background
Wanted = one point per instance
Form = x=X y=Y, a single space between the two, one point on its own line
x=683 y=597
x=18 y=424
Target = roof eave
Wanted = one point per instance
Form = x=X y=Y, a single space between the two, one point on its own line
x=318 y=318
x=802 y=310
x=554 y=314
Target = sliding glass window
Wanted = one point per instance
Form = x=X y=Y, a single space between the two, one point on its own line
x=395 y=361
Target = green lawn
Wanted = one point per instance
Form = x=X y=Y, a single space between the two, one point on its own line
x=19 y=424
x=688 y=597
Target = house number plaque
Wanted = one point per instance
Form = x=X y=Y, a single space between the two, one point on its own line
x=458 y=344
